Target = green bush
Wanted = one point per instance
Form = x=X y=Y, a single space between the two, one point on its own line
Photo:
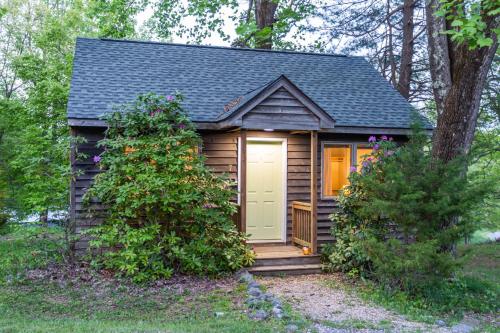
x=166 y=211
x=397 y=222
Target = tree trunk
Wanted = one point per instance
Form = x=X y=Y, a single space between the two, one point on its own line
x=264 y=17
x=44 y=217
x=405 y=70
x=458 y=119
x=458 y=77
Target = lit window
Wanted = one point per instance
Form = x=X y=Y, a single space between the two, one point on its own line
x=336 y=168
x=361 y=155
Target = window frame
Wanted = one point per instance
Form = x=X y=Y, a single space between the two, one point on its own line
x=353 y=145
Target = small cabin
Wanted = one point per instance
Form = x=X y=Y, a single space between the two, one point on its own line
x=286 y=126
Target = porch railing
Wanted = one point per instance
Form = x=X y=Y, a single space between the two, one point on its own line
x=302 y=223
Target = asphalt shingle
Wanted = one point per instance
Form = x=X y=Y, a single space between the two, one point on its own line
x=107 y=73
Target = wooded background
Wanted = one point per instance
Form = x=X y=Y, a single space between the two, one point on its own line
x=440 y=55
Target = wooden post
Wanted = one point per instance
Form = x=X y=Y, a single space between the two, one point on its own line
x=314 y=190
x=243 y=180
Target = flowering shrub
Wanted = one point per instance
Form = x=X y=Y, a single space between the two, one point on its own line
x=392 y=224
x=166 y=211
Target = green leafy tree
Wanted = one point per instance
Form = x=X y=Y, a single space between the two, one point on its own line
x=36 y=53
x=259 y=23
x=166 y=210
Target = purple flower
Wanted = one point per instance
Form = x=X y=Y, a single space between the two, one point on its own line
x=376 y=146
x=97 y=159
x=389 y=153
x=170 y=98
x=372 y=138
x=366 y=164
x=383 y=138
x=182 y=126
x=353 y=169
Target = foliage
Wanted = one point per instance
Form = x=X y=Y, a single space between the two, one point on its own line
x=25 y=247
x=166 y=209
x=393 y=218
x=115 y=18
x=61 y=298
x=468 y=21
x=37 y=41
x=198 y=20
x=474 y=288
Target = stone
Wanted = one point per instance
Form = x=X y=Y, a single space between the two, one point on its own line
x=255 y=292
x=277 y=312
x=259 y=315
x=253 y=302
x=246 y=277
x=276 y=302
x=440 y=322
x=253 y=284
x=462 y=328
x=219 y=314
x=291 y=328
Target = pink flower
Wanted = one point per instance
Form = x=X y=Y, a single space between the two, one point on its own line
x=170 y=98
x=372 y=138
x=182 y=126
x=376 y=146
x=390 y=139
x=383 y=138
x=97 y=159
x=353 y=169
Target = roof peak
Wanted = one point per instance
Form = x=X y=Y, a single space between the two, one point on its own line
x=216 y=47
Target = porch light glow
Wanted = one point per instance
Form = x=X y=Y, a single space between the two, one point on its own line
x=268 y=129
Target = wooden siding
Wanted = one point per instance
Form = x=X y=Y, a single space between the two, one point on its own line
x=84 y=170
x=221 y=151
x=281 y=110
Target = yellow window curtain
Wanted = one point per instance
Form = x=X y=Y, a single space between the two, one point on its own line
x=361 y=156
x=336 y=165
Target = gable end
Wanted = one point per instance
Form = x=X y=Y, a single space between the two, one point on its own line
x=279 y=105
x=281 y=110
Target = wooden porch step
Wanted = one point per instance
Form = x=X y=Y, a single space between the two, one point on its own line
x=285 y=269
x=284 y=260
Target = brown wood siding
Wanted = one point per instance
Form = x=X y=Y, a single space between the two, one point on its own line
x=84 y=170
x=281 y=110
x=221 y=152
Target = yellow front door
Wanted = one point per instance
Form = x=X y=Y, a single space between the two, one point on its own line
x=265 y=217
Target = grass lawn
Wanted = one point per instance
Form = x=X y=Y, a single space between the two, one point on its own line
x=45 y=302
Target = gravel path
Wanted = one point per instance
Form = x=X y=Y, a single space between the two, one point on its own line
x=337 y=311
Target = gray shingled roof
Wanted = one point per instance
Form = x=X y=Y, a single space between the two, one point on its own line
x=112 y=72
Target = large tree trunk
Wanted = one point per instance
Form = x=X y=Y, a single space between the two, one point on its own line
x=458 y=77
x=458 y=119
x=405 y=70
x=264 y=17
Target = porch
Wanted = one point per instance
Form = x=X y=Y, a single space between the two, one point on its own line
x=283 y=259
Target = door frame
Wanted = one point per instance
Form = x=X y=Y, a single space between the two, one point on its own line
x=284 y=150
